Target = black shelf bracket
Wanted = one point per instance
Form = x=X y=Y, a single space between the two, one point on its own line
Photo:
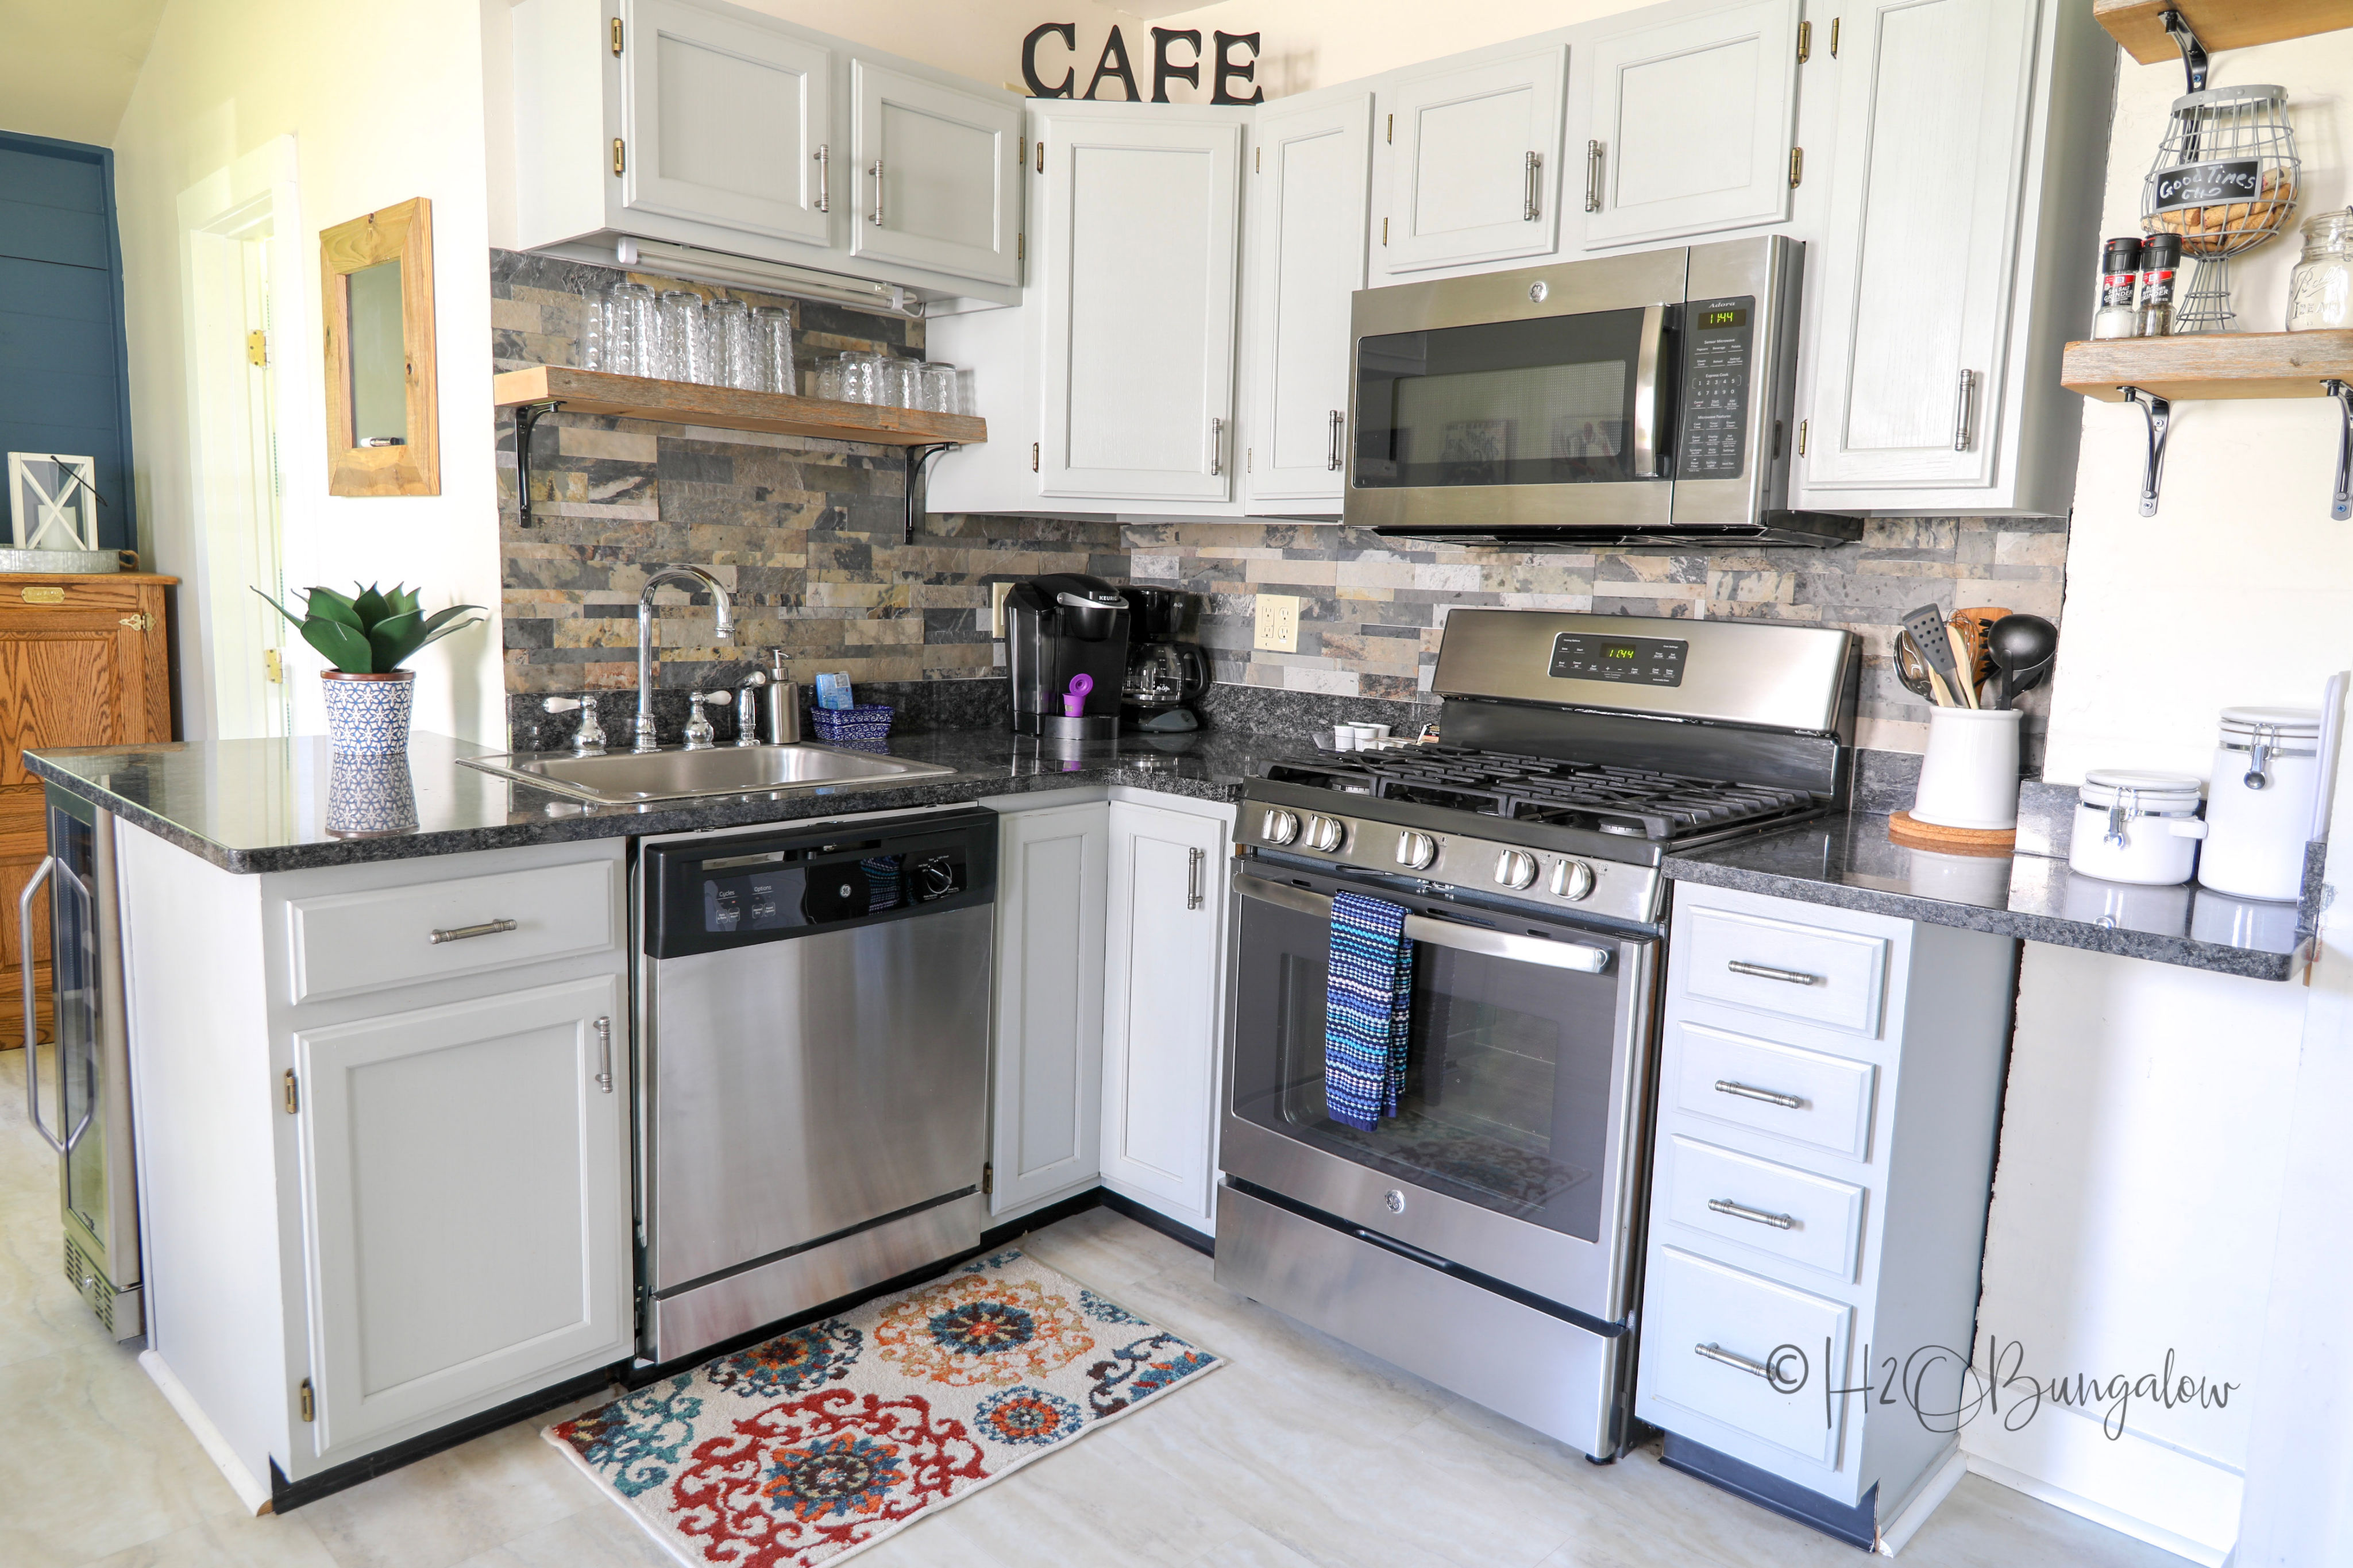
x=920 y=460
x=2159 y=412
x=2194 y=53
x=2340 y=504
x=526 y=416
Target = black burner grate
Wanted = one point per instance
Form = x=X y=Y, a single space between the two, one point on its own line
x=1635 y=802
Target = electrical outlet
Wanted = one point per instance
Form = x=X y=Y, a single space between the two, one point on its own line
x=997 y=592
x=1278 y=623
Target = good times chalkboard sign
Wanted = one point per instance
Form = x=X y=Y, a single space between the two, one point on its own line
x=2206 y=185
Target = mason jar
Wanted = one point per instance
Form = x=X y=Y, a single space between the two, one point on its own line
x=2320 y=290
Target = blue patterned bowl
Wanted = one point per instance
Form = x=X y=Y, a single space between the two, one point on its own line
x=367 y=715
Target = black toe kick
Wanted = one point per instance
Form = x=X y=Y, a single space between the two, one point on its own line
x=1857 y=1526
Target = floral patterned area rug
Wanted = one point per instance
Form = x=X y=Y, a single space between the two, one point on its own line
x=825 y=1440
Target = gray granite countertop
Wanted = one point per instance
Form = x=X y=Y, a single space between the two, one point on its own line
x=285 y=805
x=1849 y=862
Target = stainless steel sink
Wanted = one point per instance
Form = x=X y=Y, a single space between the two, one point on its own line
x=626 y=778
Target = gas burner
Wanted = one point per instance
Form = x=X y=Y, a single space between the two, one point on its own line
x=1634 y=803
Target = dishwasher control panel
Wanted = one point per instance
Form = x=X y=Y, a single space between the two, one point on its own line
x=714 y=894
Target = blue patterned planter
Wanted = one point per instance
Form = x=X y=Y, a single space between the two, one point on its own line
x=367 y=715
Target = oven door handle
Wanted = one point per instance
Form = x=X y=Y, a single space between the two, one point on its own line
x=1650 y=390
x=1575 y=956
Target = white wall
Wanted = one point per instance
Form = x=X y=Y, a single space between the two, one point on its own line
x=383 y=100
x=2146 y=1133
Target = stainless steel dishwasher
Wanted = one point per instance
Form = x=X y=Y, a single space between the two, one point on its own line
x=812 y=1011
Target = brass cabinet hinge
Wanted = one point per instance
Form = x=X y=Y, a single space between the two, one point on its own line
x=1834 y=25
x=1020 y=151
x=1805 y=41
x=1385 y=231
x=1041 y=154
x=273 y=665
x=1797 y=166
x=1390 y=134
x=616 y=35
x=310 y=1404
x=139 y=621
x=293 y=1096
x=987 y=1177
x=1250 y=459
x=256 y=348
x=1801 y=437
x=620 y=159
x=1022 y=246
x=1033 y=457
x=1258 y=160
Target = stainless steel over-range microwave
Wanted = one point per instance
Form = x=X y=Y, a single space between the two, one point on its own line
x=1626 y=399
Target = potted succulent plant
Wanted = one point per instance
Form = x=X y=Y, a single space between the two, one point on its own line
x=367 y=637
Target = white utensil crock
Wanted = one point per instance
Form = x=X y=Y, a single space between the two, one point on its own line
x=2255 y=834
x=1970 y=777
x=2134 y=827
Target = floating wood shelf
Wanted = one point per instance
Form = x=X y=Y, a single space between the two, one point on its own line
x=728 y=408
x=2210 y=366
x=2219 y=24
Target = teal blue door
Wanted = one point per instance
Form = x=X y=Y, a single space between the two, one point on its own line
x=63 y=381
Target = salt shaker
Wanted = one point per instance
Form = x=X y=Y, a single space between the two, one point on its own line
x=2119 y=274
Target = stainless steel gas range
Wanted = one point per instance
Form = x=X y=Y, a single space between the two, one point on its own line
x=1487 y=1236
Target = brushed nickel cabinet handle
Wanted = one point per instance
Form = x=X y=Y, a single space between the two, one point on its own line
x=459 y=933
x=1742 y=1211
x=1767 y=972
x=605 y=1054
x=1217 y=446
x=1339 y=423
x=1789 y=1101
x=1531 y=205
x=1195 y=862
x=1715 y=1353
x=1593 y=176
x=824 y=156
x=1965 y=402
x=877 y=220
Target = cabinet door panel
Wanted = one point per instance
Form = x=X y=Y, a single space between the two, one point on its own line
x=1140 y=261
x=1049 y=1049
x=1695 y=120
x=1308 y=188
x=1161 y=1030
x=1932 y=137
x=949 y=190
x=1461 y=187
x=466 y=1199
x=722 y=117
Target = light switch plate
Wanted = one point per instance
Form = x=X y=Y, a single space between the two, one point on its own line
x=1278 y=623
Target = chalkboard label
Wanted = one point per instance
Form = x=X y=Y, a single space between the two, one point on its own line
x=2208 y=184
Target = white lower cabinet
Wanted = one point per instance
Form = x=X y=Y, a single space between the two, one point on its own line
x=1817 y=1197
x=506 y=1110
x=1164 y=1009
x=1047 y=1077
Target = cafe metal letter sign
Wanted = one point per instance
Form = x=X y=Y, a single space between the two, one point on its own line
x=1230 y=66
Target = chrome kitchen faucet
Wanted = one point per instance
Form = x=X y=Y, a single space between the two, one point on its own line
x=726 y=630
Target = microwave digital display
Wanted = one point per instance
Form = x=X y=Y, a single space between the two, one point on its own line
x=1722 y=316
x=1716 y=390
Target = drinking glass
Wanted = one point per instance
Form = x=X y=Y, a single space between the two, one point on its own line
x=772 y=331
x=899 y=382
x=864 y=378
x=628 y=319
x=682 y=353
x=735 y=345
x=938 y=388
x=829 y=380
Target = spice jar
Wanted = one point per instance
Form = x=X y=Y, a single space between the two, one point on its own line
x=2320 y=290
x=2119 y=275
x=2161 y=255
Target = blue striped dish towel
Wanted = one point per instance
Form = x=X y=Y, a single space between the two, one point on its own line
x=1367 y=1007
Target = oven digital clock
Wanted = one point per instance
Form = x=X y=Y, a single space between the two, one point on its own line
x=1640 y=661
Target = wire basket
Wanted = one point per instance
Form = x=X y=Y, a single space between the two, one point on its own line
x=866 y=728
x=2226 y=179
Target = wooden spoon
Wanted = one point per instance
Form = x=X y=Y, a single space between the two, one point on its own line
x=1973 y=624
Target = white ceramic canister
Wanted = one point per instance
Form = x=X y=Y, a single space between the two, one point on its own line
x=2134 y=827
x=2259 y=809
x=1970 y=777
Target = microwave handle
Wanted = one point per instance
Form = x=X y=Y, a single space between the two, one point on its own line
x=1649 y=414
x=1437 y=932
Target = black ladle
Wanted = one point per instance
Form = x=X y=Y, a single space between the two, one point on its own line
x=2021 y=647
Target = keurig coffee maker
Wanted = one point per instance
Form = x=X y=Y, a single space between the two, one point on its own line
x=1057 y=630
x=1165 y=673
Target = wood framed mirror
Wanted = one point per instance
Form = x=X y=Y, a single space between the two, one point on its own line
x=384 y=422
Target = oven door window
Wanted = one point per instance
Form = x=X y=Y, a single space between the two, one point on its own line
x=1543 y=402
x=1506 y=1100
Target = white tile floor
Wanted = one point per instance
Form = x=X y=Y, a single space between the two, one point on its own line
x=1302 y=1451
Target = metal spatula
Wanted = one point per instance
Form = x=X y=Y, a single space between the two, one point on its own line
x=1926 y=627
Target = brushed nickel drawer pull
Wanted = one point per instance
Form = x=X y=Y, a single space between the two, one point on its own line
x=1742 y=1211
x=1789 y=1101
x=459 y=933
x=1767 y=972
x=1756 y=1368
x=605 y=1054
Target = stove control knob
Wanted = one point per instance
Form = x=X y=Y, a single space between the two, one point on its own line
x=1517 y=868
x=1280 y=827
x=1416 y=851
x=1326 y=834
x=1572 y=880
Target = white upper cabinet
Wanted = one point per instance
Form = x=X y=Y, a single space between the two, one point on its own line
x=1954 y=261
x=1138 y=257
x=1310 y=174
x=724 y=120
x=1475 y=162
x=1690 y=125
x=938 y=173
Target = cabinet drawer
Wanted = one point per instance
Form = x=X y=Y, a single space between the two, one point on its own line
x=349 y=943
x=1833 y=978
x=1809 y=1098
x=1785 y=1213
x=1701 y=1312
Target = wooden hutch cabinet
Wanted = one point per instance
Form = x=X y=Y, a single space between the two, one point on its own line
x=84 y=661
